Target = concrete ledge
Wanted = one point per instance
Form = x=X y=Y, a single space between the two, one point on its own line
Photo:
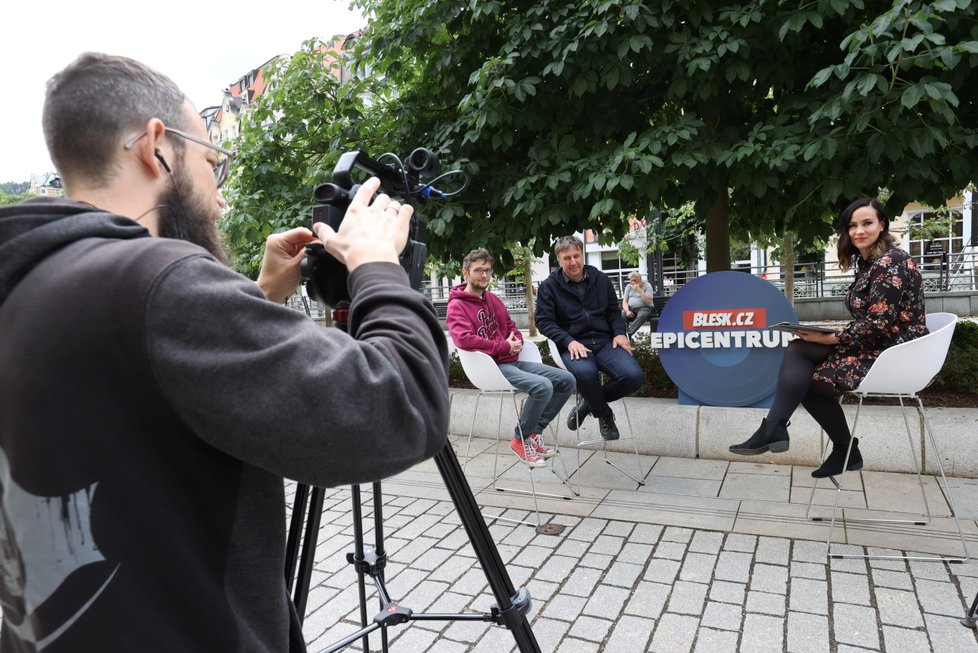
x=663 y=428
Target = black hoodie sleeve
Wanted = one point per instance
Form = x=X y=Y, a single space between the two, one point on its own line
x=267 y=385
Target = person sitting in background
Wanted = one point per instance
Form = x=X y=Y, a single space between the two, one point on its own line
x=636 y=303
x=477 y=320
x=886 y=300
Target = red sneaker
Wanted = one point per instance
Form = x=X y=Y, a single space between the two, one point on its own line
x=542 y=450
x=526 y=454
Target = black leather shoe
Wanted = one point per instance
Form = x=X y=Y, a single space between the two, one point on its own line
x=768 y=437
x=577 y=415
x=833 y=464
x=608 y=428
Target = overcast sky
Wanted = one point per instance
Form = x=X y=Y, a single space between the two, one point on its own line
x=203 y=47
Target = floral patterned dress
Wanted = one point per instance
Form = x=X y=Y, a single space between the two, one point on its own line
x=886 y=301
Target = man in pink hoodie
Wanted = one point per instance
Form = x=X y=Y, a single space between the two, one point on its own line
x=478 y=321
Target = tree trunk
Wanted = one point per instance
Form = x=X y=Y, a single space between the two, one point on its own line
x=788 y=267
x=528 y=289
x=718 y=228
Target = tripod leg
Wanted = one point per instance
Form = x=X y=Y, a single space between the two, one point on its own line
x=295 y=527
x=512 y=606
x=309 y=550
x=357 y=559
x=971 y=621
x=380 y=557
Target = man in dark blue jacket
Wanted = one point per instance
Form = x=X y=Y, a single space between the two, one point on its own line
x=578 y=309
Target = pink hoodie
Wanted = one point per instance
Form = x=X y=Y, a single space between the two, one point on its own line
x=480 y=324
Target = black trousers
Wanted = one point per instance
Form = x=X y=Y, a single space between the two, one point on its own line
x=796 y=386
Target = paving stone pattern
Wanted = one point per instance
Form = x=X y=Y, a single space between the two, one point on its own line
x=619 y=586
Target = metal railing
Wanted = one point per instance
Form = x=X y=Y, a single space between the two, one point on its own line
x=955 y=272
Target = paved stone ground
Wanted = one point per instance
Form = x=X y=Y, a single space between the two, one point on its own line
x=626 y=586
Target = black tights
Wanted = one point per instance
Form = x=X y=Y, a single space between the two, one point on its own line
x=795 y=386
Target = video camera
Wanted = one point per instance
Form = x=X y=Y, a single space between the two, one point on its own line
x=326 y=276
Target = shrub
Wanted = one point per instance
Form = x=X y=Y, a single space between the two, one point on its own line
x=456 y=375
x=960 y=371
x=657 y=382
x=959 y=374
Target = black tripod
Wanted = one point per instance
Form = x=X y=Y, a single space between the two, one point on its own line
x=511 y=606
x=971 y=621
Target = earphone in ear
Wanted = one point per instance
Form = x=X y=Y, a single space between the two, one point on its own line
x=159 y=156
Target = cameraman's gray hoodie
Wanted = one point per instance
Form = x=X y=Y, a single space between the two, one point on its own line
x=151 y=402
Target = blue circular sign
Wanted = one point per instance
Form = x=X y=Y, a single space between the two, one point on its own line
x=714 y=343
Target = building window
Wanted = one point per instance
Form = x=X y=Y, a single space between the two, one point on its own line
x=930 y=236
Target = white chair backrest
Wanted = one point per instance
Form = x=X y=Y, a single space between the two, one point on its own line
x=482 y=371
x=530 y=352
x=555 y=354
x=907 y=368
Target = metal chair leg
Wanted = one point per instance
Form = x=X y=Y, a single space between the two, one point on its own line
x=947 y=487
x=547 y=528
x=639 y=478
x=917 y=468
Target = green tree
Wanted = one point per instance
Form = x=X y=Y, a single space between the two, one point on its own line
x=902 y=103
x=290 y=142
x=6 y=199
x=576 y=115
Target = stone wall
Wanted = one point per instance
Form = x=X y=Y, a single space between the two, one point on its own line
x=664 y=428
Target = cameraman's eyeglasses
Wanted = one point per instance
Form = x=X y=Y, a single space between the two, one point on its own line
x=221 y=169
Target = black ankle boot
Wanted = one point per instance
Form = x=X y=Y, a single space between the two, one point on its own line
x=769 y=436
x=833 y=464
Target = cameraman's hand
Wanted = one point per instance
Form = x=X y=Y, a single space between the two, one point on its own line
x=280 y=274
x=370 y=232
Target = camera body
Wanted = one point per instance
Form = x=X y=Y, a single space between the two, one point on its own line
x=326 y=276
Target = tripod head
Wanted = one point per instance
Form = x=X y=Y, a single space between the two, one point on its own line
x=327 y=277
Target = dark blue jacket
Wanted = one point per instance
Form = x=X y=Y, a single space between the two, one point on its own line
x=563 y=316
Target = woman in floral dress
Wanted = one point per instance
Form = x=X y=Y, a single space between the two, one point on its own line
x=886 y=301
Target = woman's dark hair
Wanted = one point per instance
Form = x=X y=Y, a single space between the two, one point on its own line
x=846 y=250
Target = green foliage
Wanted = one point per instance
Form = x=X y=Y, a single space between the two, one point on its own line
x=959 y=374
x=290 y=141
x=6 y=199
x=629 y=252
x=657 y=382
x=765 y=117
x=456 y=375
x=572 y=115
x=960 y=371
x=904 y=96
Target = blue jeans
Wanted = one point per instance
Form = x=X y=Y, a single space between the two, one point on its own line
x=642 y=315
x=547 y=389
x=625 y=376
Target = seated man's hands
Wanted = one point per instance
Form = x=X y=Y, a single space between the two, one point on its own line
x=515 y=344
x=622 y=341
x=577 y=350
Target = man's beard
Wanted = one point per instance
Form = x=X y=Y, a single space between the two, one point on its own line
x=186 y=217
